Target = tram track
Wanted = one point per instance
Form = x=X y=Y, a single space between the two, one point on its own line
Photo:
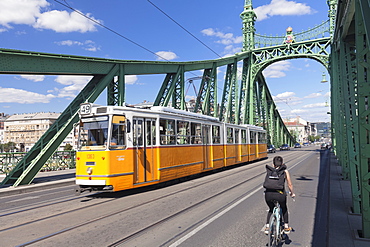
x=146 y=228
x=137 y=233
x=142 y=231
x=100 y=203
x=39 y=205
x=35 y=207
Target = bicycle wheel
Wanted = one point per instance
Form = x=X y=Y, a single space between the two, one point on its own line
x=273 y=236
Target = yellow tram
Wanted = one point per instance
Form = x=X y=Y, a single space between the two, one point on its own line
x=124 y=147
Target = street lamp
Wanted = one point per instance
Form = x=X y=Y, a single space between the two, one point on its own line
x=323 y=80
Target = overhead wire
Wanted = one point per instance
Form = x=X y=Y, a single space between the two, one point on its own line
x=111 y=30
x=183 y=28
x=67 y=5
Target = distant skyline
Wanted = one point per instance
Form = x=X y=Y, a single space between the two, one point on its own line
x=48 y=26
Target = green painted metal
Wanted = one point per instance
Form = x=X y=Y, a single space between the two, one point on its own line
x=172 y=90
x=28 y=62
x=362 y=36
x=248 y=17
x=206 y=101
x=60 y=160
x=320 y=31
x=350 y=86
x=249 y=102
x=229 y=99
x=116 y=89
x=30 y=165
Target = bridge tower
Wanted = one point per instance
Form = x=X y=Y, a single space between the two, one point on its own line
x=256 y=105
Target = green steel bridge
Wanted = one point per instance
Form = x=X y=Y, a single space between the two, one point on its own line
x=340 y=44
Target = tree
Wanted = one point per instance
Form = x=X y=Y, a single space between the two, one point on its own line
x=68 y=147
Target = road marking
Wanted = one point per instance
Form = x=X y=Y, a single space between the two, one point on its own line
x=187 y=236
x=193 y=232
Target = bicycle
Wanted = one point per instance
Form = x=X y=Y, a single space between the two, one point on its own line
x=276 y=227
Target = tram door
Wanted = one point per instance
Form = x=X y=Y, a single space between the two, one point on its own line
x=206 y=146
x=144 y=140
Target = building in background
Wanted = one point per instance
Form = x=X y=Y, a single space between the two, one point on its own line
x=324 y=131
x=26 y=129
x=3 y=118
x=300 y=128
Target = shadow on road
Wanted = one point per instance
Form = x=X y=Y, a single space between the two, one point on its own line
x=322 y=205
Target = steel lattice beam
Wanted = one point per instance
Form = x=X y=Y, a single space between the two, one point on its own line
x=30 y=165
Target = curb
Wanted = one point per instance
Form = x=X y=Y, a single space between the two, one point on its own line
x=8 y=191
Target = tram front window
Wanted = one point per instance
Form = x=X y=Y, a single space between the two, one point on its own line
x=93 y=133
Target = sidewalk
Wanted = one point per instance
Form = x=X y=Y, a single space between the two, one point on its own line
x=43 y=180
x=343 y=225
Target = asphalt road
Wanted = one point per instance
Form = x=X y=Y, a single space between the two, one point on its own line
x=220 y=209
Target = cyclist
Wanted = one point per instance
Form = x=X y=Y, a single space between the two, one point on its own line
x=274 y=185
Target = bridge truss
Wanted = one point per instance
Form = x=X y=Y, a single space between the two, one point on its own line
x=350 y=111
x=247 y=101
x=341 y=45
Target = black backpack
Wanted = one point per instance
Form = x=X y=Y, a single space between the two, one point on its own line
x=275 y=178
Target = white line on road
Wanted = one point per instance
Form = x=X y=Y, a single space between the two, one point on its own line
x=187 y=236
x=178 y=242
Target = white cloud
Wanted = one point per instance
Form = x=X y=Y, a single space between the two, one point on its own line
x=224 y=38
x=166 y=55
x=313 y=95
x=33 y=77
x=88 y=45
x=68 y=42
x=18 y=12
x=75 y=85
x=227 y=39
x=63 y=22
x=288 y=98
x=298 y=111
x=315 y=105
x=285 y=95
x=130 y=79
x=11 y=95
x=276 y=70
x=282 y=8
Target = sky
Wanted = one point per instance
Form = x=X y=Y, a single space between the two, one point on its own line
x=153 y=30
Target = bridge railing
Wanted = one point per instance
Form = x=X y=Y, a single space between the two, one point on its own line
x=60 y=160
x=320 y=31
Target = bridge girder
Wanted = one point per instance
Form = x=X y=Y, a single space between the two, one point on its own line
x=350 y=112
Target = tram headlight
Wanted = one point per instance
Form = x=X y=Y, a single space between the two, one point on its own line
x=89 y=170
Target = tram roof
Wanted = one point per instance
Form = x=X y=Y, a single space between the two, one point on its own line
x=166 y=110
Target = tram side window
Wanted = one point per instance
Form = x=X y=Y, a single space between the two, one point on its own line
x=138 y=132
x=118 y=132
x=183 y=132
x=237 y=137
x=150 y=132
x=230 y=135
x=261 y=137
x=196 y=133
x=216 y=134
x=167 y=131
x=244 y=136
x=253 y=137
